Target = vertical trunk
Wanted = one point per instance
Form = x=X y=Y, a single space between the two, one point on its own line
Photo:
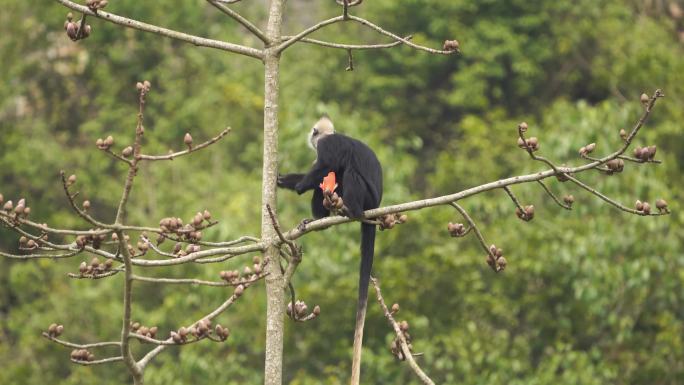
x=275 y=298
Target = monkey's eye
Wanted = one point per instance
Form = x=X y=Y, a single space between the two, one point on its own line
x=315 y=131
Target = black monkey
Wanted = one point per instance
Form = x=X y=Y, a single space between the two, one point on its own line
x=359 y=178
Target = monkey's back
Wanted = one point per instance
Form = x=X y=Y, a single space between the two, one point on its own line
x=342 y=154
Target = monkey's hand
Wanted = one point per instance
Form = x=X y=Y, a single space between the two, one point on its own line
x=289 y=181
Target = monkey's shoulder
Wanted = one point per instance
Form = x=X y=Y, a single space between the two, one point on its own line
x=339 y=144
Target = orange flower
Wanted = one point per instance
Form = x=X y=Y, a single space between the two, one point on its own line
x=329 y=184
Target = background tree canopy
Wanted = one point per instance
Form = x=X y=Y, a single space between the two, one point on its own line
x=590 y=296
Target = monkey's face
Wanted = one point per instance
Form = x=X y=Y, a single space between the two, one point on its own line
x=323 y=127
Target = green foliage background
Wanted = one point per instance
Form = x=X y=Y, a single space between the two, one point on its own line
x=591 y=296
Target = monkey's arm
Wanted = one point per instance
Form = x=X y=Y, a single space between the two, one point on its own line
x=313 y=178
x=289 y=181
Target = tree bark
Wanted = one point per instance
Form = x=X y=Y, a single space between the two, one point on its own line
x=275 y=307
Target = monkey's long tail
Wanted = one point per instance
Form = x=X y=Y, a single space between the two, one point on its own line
x=367 y=251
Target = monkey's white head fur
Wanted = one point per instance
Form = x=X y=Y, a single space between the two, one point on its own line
x=323 y=127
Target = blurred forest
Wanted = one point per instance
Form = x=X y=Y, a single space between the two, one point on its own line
x=590 y=296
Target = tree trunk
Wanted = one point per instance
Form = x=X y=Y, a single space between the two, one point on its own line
x=275 y=307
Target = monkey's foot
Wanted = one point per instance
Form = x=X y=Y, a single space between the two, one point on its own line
x=302 y=225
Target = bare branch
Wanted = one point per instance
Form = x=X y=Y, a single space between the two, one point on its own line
x=611 y=201
x=399 y=38
x=245 y=23
x=96 y=275
x=98 y=362
x=80 y=346
x=400 y=335
x=192 y=39
x=142 y=363
x=348 y=46
x=39 y=256
x=473 y=226
x=518 y=206
x=228 y=252
x=78 y=211
x=282 y=46
x=192 y=281
x=554 y=197
x=174 y=155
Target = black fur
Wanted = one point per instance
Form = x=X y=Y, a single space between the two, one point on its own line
x=359 y=178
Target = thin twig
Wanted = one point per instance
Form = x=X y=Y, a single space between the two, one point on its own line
x=554 y=197
x=192 y=281
x=611 y=201
x=240 y=19
x=96 y=275
x=399 y=38
x=192 y=39
x=142 y=363
x=78 y=211
x=40 y=256
x=400 y=335
x=348 y=46
x=97 y=362
x=473 y=225
x=521 y=210
x=80 y=346
x=174 y=155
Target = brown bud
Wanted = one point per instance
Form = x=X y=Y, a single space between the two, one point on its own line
x=187 y=139
x=501 y=263
x=99 y=142
x=647 y=208
x=115 y=237
x=175 y=337
x=522 y=127
x=451 y=45
x=70 y=16
x=256 y=259
x=71 y=30
x=316 y=310
x=147 y=84
x=651 y=152
x=87 y=30
x=95 y=262
x=206 y=215
x=59 y=330
x=639 y=206
x=569 y=199
x=128 y=151
x=395 y=308
x=8 y=206
x=86 y=205
x=139 y=86
x=644 y=98
x=109 y=141
x=661 y=204
x=108 y=263
x=83 y=267
x=623 y=134
x=183 y=332
x=71 y=180
x=404 y=326
x=590 y=147
x=23 y=240
x=153 y=331
x=52 y=329
x=31 y=244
